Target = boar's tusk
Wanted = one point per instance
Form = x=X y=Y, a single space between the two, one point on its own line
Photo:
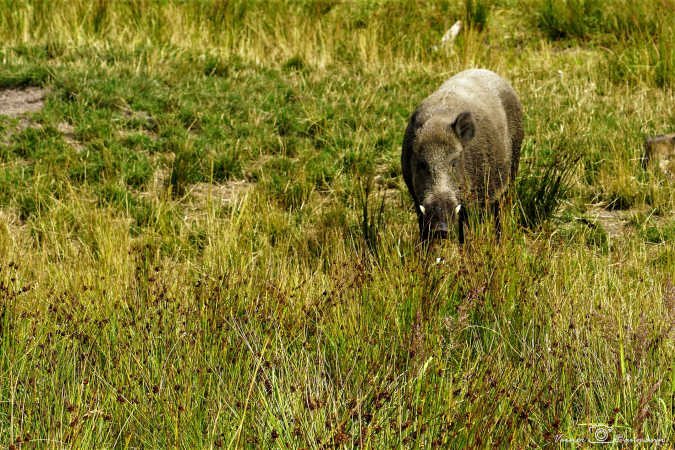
x=422 y=209
x=458 y=209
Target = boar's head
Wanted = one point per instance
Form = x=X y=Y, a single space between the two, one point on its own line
x=438 y=173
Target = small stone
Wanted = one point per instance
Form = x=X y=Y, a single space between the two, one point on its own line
x=450 y=35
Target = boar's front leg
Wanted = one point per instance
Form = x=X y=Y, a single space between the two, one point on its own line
x=461 y=221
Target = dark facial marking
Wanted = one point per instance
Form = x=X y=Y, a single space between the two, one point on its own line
x=422 y=166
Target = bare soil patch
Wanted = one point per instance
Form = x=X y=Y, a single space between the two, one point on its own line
x=220 y=193
x=200 y=195
x=138 y=116
x=613 y=222
x=68 y=132
x=621 y=223
x=15 y=102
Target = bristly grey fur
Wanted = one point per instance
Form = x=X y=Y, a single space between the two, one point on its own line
x=462 y=145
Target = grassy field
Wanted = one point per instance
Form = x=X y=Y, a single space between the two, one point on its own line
x=206 y=241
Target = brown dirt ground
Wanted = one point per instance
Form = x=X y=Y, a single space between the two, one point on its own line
x=15 y=102
x=18 y=102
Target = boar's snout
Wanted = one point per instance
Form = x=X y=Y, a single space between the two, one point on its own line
x=435 y=219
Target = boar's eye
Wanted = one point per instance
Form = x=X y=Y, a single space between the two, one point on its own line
x=422 y=166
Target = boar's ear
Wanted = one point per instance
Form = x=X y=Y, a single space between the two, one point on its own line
x=464 y=127
x=415 y=121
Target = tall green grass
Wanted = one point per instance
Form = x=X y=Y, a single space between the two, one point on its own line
x=205 y=240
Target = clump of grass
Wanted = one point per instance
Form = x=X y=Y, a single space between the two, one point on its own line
x=561 y=19
x=541 y=187
x=656 y=234
x=644 y=61
x=372 y=221
x=476 y=13
x=298 y=311
x=24 y=75
x=186 y=169
x=122 y=200
x=569 y=18
x=294 y=63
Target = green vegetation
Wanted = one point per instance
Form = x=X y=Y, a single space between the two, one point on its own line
x=206 y=241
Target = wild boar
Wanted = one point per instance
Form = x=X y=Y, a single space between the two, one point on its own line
x=461 y=148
